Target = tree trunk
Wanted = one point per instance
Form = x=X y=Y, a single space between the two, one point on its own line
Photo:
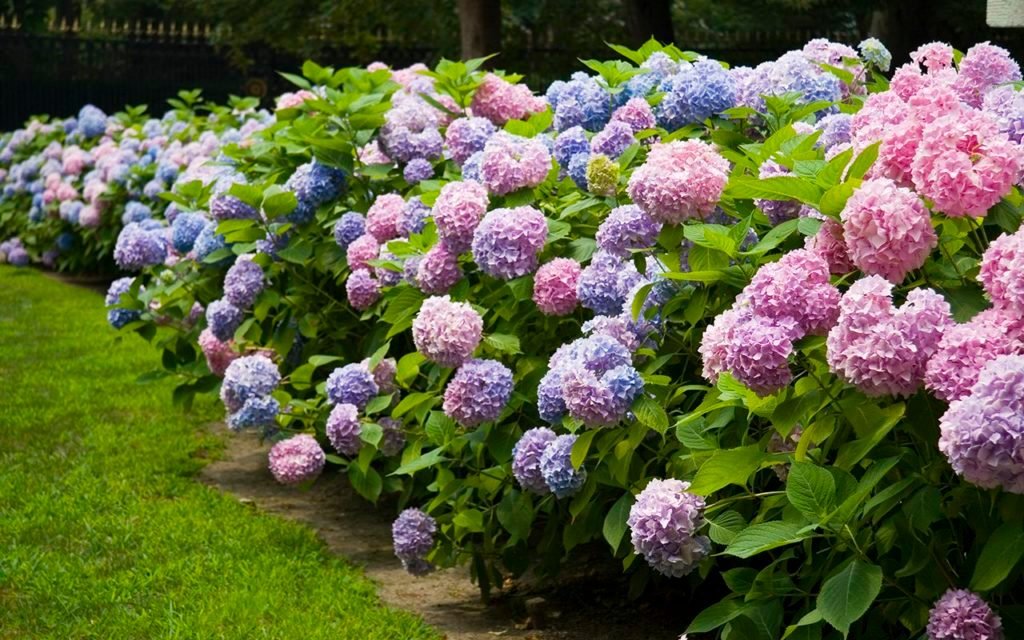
x=648 y=19
x=479 y=27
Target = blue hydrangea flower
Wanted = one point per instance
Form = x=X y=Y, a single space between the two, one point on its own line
x=243 y=282
x=349 y=227
x=418 y=170
x=526 y=457
x=137 y=248
x=223 y=318
x=65 y=242
x=247 y=378
x=605 y=282
x=256 y=412
x=228 y=207
x=185 y=230
x=556 y=468
x=579 y=102
x=208 y=241
x=577 y=169
x=120 y=317
x=471 y=168
x=136 y=212
x=414 y=216
x=314 y=184
x=352 y=384
x=92 y=122
x=699 y=91
x=567 y=144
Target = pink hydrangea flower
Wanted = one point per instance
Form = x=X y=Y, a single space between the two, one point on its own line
x=554 y=287
x=1002 y=272
x=964 y=164
x=361 y=251
x=296 y=459
x=510 y=163
x=983 y=67
x=887 y=229
x=439 y=270
x=457 y=211
x=384 y=218
x=880 y=349
x=500 y=101
x=830 y=245
x=636 y=113
x=964 y=351
x=362 y=289
x=679 y=181
x=796 y=287
x=447 y=332
x=218 y=354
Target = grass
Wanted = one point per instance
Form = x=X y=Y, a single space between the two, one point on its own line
x=105 y=533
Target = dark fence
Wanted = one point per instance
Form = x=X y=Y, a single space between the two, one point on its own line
x=57 y=70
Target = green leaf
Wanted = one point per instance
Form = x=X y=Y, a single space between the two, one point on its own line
x=378 y=404
x=279 y=204
x=999 y=555
x=775 y=237
x=723 y=527
x=424 y=461
x=764 y=536
x=715 y=616
x=470 y=519
x=811 y=489
x=776 y=188
x=368 y=484
x=503 y=343
x=650 y=413
x=863 y=162
x=846 y=596
x=615 y=522
x=412 y=401
x=729 y=466
x=515 y=513
x=581 y=447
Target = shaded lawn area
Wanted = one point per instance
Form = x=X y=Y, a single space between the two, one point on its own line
x=104 y=533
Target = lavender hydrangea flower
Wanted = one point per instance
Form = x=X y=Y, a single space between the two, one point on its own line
x=556 y=467
x=526 y=455
x=243 y=282
x=296 y=459
x=605 y=282
x=466 y=136
x=349 y=227
x=626 y=228
x=663 y=525
x=418 y=170
x=577 y=170
x=438 y=270
x=352 y=384
x=228 y=207
x=208 y=241
x=982 y=434
x=478 y=392
x=223 y=318
x=414 y=216
x=412 y=534
x=136 y=212
x=246 y=378
x=507 y=242
x=613 y=140
x=91 y=122
x=256 y=412
x=550 y=404
x=137 y=248
x=343 y=429
x=579 y=102
x=569 y=143
x=962 y=615
x=447 y=332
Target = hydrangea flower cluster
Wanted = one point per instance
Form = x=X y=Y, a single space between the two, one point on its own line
x=554 y=287
x=785 y=301
x=500 y=101
x=447 y=332
x=223 y=319
x=887 y=229
x=982 y=433
x=962 y=615
x=883 y=350
x=314 y=184
x=218 y=354
x=412 y=534
x=118 y=318
x=466 y=136
x=579 y=102
x=438 y=270
x=297 y=459
x=1002 y=272
x=478 y=392
x=679 y=181
x=243 y=282
x=965 y=349
x=511 y=162
x=507 y=242
x=362 y=290
x=700 y=90
x=344 y=430
x=457 y=211
x=245 y=392
x=592 y=379
x=605 y=283
x=352 y=384
x=663 y=525
x=627 y=228
x=385 y=216
x=348 y=228
x=561 y=478
x=139 y=247
x=526 y=455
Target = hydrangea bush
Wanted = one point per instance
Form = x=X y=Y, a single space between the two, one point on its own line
x=754 y=330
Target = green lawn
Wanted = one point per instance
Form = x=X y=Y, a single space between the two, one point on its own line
x=104 y=533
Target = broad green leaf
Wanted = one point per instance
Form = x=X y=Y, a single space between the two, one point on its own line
x=515 y=513
x=470 y=519
x=615 y=522
x=581 y=448
x=729 y=466
x=715 y=616
x=723 y=527
x=846 y=596
x=424 y=461
x=764 y=536
x=650 y=413
x=412 y=401
x=811 y=489
x=776 y=188
x=503 y=343
x=999 y=555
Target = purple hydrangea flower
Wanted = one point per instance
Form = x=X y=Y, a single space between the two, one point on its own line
x=625 y=228
x=466 y=136
x=362 y=289
x=343 y=429
x=478 y=392
x=223 y=318
x=208 y=241
x=697 y=92
x=296 y=459
x=982 y=434
x=663 y=525
x=349 y=227
x=185 y=230
x=118 y=318
x=605 y=282
x=393 y=439
x=228 y=207
x=137 y=248
x=418 y=170
x=611 y=141
x=556 y=467
x=577 y=170
x=579 y=102
x=457 y=212
x=962 y=615
x=438 y=270
x=569 y=143
x=413 y=536
x=550 y=404
x=414 y=216
x=243 y=282
x=352 y=384
x=507 y=242
x=526 y=457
